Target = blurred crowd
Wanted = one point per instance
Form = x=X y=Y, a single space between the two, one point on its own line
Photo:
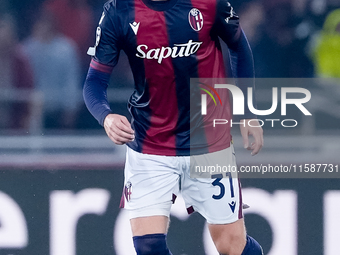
x=43 y=60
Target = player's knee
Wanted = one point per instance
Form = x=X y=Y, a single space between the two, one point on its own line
x=232 y=244
x=252 y=247
x=235 y=246
x=153 y=244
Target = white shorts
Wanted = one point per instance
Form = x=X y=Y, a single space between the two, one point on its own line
x=152 y=183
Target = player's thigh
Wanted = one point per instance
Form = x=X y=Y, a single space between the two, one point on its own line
x=229 y=238
x=218 y=200
x=150 y=184
x=149 y=225
x=217 y=197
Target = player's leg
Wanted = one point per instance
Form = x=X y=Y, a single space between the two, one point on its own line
x=149 y=225
x=150 y=182
x=231 y=239
x=218 y=199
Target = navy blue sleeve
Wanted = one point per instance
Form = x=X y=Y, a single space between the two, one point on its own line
x=241 y=58
x=227 y=27
x=108 y=43
x=95 y=94
x=243 y=69
x=105 y=55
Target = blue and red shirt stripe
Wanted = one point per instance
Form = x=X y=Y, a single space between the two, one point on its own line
x=167 y=43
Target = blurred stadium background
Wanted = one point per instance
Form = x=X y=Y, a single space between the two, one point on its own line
x=61 y=178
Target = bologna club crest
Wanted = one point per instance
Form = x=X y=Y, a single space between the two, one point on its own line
x=128 y=191
x=195 y=19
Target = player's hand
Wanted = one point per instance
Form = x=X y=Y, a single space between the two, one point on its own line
x=256 y=131
x=118 y=129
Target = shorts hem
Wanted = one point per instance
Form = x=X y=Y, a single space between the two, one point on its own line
x=149 y=211
x=222 y=222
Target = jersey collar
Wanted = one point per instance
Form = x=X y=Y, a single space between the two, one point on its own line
x=159 y=5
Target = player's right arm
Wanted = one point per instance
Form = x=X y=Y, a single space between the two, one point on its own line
x=117 y=127
x=105 y=57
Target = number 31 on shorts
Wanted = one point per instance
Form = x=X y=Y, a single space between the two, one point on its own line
x=217 y=182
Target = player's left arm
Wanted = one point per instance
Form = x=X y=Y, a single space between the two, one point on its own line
x=228 y=28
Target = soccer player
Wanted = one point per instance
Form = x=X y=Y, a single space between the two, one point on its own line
x=167 y=43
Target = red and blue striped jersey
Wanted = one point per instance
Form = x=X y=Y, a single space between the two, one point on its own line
x=167 y=43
